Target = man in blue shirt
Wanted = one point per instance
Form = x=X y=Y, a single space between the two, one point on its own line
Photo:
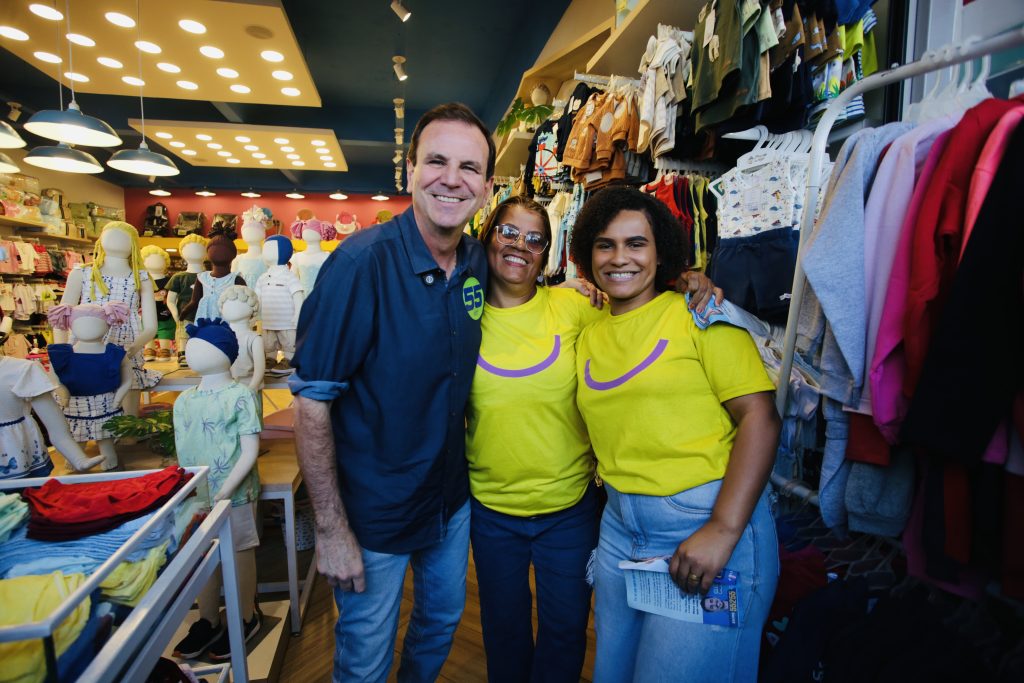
x=386 y=348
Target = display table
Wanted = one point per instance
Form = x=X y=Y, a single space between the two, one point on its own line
x=183 y=378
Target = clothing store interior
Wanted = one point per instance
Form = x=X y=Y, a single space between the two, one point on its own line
x=271 y=487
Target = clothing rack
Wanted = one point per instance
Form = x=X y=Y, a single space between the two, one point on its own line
x=686 y=166
x=968 y=50
x=602 y=81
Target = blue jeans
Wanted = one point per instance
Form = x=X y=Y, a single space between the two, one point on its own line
x=642 y=647
x=368 y=621
x=559 y=545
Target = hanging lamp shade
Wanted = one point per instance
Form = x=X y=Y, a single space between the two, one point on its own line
x=73 y=127
x=63 y=158
x=142 y=161
x=9 y=138
x=7 y=164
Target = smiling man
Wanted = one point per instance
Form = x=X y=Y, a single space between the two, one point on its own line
x=386 y=349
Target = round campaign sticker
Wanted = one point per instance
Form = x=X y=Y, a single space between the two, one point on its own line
x=473 y=297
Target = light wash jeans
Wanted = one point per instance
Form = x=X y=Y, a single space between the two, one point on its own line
x=642 y=647
x=368 y=622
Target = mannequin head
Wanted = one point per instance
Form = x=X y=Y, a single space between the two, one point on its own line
x=88 y=322
x=313 y=230
x=254 y=225
x=277 y=249
x=155 y=260
x=238 y=304
x=119 y=240
x=221 y=251
x=211 y=348
x=193 y=249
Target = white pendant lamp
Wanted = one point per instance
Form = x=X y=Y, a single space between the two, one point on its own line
x=9 y=138
x=63 y=158
x=7 y=164
x=142 y=161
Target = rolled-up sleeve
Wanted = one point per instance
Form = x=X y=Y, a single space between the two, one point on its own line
x=336 y=323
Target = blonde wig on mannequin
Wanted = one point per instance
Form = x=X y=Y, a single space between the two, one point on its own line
x=99 y=256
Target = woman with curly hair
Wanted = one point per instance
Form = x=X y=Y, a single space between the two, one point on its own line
x=684 y=430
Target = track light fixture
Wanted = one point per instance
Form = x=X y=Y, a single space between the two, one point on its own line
x=399 y=69
x=397 y=159
x=400 y=11
x=399 y=107
x=399 y=136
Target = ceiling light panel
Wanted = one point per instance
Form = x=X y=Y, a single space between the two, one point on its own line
x=177 y=30
x=305 y=145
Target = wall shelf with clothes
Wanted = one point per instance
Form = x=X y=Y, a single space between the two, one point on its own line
x=620 y=52
x=111 y=619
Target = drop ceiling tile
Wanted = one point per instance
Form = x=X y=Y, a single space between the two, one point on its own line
x=215 y=144
x=240 y=30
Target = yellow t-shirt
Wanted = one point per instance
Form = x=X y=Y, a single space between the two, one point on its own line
x=526 y=443
x=651 y=388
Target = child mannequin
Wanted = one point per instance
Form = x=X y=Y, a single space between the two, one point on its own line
x=156 y=261
x=96 y=375
x=254 y=230
x=218 y=424
x=239 y=305
x=116 y=274
x=280 y=294
x=307 y=263
x=346 y=223
x=179 y=289
x=220 y=250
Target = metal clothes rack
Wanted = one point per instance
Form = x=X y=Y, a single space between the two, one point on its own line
x=967 y=51
x=685 y=166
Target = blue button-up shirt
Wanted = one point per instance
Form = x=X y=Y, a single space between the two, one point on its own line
x=393 y=343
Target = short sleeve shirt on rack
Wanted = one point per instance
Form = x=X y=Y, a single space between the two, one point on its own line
x=276 y=289
x=395 y=355
x=651 y=387
x=717 y=55
x=207 y=427
x=526 y=375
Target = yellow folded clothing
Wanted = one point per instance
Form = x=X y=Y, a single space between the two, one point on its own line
x=30 y=598
x=129 y=581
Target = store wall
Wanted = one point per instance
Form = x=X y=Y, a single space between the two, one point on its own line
x=77 y=187
x=580 y=17
x=283 y=208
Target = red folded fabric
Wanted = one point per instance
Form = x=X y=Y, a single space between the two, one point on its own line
x=57 y=503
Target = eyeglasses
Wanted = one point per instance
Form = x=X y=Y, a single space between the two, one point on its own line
x=509 y=234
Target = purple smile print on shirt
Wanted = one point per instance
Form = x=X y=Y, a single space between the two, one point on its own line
x=659 y=349
x=525 y=372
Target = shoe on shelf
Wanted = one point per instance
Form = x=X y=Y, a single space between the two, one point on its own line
x=221 y=648
x=163 y=354
x=201 y=635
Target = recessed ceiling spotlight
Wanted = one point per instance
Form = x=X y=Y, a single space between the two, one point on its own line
x=79 y=39
x=164 y=135
x=203 y=136
x=399 y=68
x=177 y=143
x=118 y=19
x=281 y=141
x=266 y=162
x=188 y=85
x=400 y=11
x=330 y=164
x=226 y=72
x=211 y=52
x=282 y=75
x=159 y=192
x=242 y=138
x=188 y=152
x=292 y=156
x=77 y=77
x=272 y=56
x=214 y=145
x=47 y=57
x=132 y=80
x=13 y=33
x=322 y=150
x=259 y=155
x=168 y=67
x=232 y=160
x=146 y=46
x=298 y=163
x=110 y=62
x=338 y=196
x=379 y=197
x=241 y=89
x=326 y=157
x=45 y=11
x=287 y=149
x=291 y=92
x=251 y=195
x=251 y=148
x=295 y=195
x=192 y=26
x=317 y=143
x=223 y=153
x=206 y=193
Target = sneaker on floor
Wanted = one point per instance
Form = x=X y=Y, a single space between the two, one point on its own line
x=163 y=354
x=148 y=354
x=200 y=636
x=221 y=649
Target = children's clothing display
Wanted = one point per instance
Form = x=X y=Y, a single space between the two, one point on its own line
x=23 y=449
x=92 y=379
x=276 y=289
x=181 y=284
x=250 y=269
x=212 y=289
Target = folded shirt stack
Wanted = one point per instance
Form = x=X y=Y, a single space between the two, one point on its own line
x=13 y=513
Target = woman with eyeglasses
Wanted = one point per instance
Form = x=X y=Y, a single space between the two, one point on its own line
x=531 y=467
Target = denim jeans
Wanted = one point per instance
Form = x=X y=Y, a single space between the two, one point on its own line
x=368 y=622
x=559 y=545
x=642 y=647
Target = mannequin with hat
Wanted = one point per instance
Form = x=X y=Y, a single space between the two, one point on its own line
x=217 y=424
x=281 y=294
x=307 y=263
